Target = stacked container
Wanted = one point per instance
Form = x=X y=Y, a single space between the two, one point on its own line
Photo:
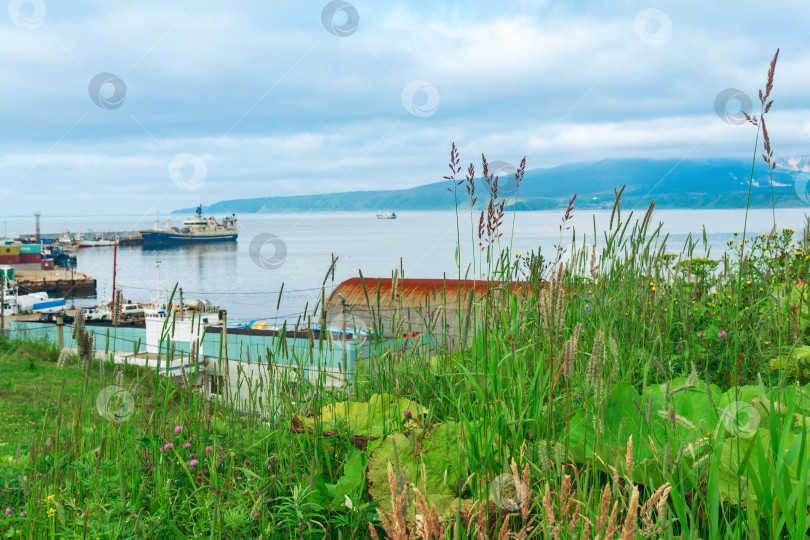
x=30 y=254
x=10 y=254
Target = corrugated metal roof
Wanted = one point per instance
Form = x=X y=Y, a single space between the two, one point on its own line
x=412 y=293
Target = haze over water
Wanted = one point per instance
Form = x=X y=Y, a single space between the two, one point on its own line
x=227 y=275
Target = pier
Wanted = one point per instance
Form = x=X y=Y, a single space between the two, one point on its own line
x=57 y=282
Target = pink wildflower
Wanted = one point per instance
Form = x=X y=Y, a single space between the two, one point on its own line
x=8 y=511
x=209 y=448
x=701 y=334
x=193 y=463
x=178 y=429
x=168 y=446
x=722 y=334
x=186 y=446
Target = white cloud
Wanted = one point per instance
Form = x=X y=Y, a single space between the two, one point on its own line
x=276 y=105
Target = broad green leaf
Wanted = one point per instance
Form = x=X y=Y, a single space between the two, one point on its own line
x=429 y=461
x=382 y=414
x=353 y=481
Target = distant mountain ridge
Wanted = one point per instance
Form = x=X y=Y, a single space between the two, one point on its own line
x=709 y=183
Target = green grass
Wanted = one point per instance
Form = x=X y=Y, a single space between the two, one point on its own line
x=28 y=392
x=627 y=388
x=649 y=348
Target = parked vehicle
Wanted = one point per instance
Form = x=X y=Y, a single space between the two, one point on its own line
x=132 y=310
x=50 y=317
x=96 y=314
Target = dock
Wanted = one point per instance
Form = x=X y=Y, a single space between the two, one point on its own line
x=57 y=282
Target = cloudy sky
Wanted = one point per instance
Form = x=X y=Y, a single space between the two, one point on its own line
x=135 y=106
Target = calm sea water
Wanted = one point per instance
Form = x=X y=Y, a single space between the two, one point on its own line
x=299 y=251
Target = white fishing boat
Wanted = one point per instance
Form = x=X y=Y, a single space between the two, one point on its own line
x=97 y=241
x=67 y=244
x=14 y=303
x=180 y=325
x=386 y=215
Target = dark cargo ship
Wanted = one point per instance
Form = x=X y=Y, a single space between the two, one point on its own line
x=194 y=231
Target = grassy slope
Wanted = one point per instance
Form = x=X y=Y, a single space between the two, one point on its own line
x=29 y=392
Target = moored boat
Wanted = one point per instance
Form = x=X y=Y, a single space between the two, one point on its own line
x=15 y=303
x=195 y=230
x=98 y=241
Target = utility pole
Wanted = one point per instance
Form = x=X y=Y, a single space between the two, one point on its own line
x=37 y=215
x=60 y=333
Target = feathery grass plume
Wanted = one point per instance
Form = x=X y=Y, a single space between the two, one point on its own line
x=86 y=345
x=63 y=357
x=542 y=458
x=470 y=185
x=454 y=167
x=481 y=521
x=564 y=494
x=597 y=360
x=116 y=307
x=547 y=505
x=629 y=529
x=552 y=302
x=570 y=351
x=628 y=459
x=658 y=502
x=184 y=378
x=526 y=507
x=118 y=376
x=504 y=533
x=393 y=525
x=78 y=325
x=522 y=498
x=564 y=227
x=594 y=271
x=428 y=525
x=612 y=524
x=101 y=365
x=604 y=506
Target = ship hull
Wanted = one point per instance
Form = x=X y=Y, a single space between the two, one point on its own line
x=166 y=238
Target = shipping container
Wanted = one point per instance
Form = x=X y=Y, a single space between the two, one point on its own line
x=10 y=250
x=9 y=259
x=30 y=248
x=47 y=264
x=30 y=258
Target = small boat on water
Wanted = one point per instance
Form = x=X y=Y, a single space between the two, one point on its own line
x=195 y=230
x=386 y=215
x=98 y=241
